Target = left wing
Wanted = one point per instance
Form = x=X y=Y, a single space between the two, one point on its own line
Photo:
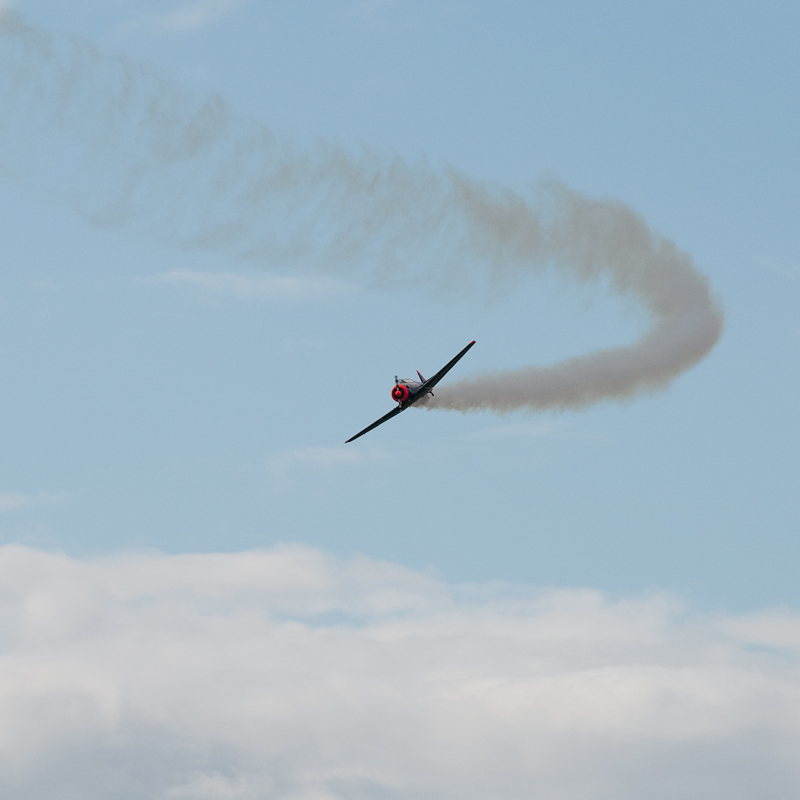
x=393 y=413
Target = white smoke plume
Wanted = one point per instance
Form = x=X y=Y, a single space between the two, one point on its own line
x=137 y=150
x=292 y=675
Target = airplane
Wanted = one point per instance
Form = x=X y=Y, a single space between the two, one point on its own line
x=407 y=392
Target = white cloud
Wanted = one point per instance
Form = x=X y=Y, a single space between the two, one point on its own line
x=258 y=286
x=286 y=673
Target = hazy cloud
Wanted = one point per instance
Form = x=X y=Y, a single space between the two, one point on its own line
x=15 y=501
x=255 y=286
x=786 y=268
x=303 y=459
x=43 y=285
x=538 y=429
x=372 y=10
x=195 y=14
x=286 y=673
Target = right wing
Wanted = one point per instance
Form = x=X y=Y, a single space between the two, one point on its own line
x=394 y=412
x=431 y=382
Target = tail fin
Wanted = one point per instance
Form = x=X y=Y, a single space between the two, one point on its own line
x=420 y=376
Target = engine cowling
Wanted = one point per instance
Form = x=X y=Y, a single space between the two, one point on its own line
x=400 y=393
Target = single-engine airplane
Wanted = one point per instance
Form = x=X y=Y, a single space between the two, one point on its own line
x=407 y=392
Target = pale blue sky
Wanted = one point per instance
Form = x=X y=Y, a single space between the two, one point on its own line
x=157 y=414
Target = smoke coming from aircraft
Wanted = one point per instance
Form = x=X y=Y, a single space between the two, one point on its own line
x=139 y=151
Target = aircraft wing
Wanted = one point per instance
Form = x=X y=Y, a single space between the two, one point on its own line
x=393 y=413
x=431 y=382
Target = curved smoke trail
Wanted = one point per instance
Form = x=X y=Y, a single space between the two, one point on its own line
x=138 y=150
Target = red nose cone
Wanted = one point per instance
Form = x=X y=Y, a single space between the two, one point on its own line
x=400 y=393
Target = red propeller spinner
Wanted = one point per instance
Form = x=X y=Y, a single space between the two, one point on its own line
x=400 y=393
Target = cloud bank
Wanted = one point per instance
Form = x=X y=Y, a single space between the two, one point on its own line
x=287 y=673
x=137 y=150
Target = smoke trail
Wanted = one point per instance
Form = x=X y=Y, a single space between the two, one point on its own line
x=139 y=151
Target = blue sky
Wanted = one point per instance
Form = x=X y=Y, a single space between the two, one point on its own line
x=159 y=397
x=167 y=415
